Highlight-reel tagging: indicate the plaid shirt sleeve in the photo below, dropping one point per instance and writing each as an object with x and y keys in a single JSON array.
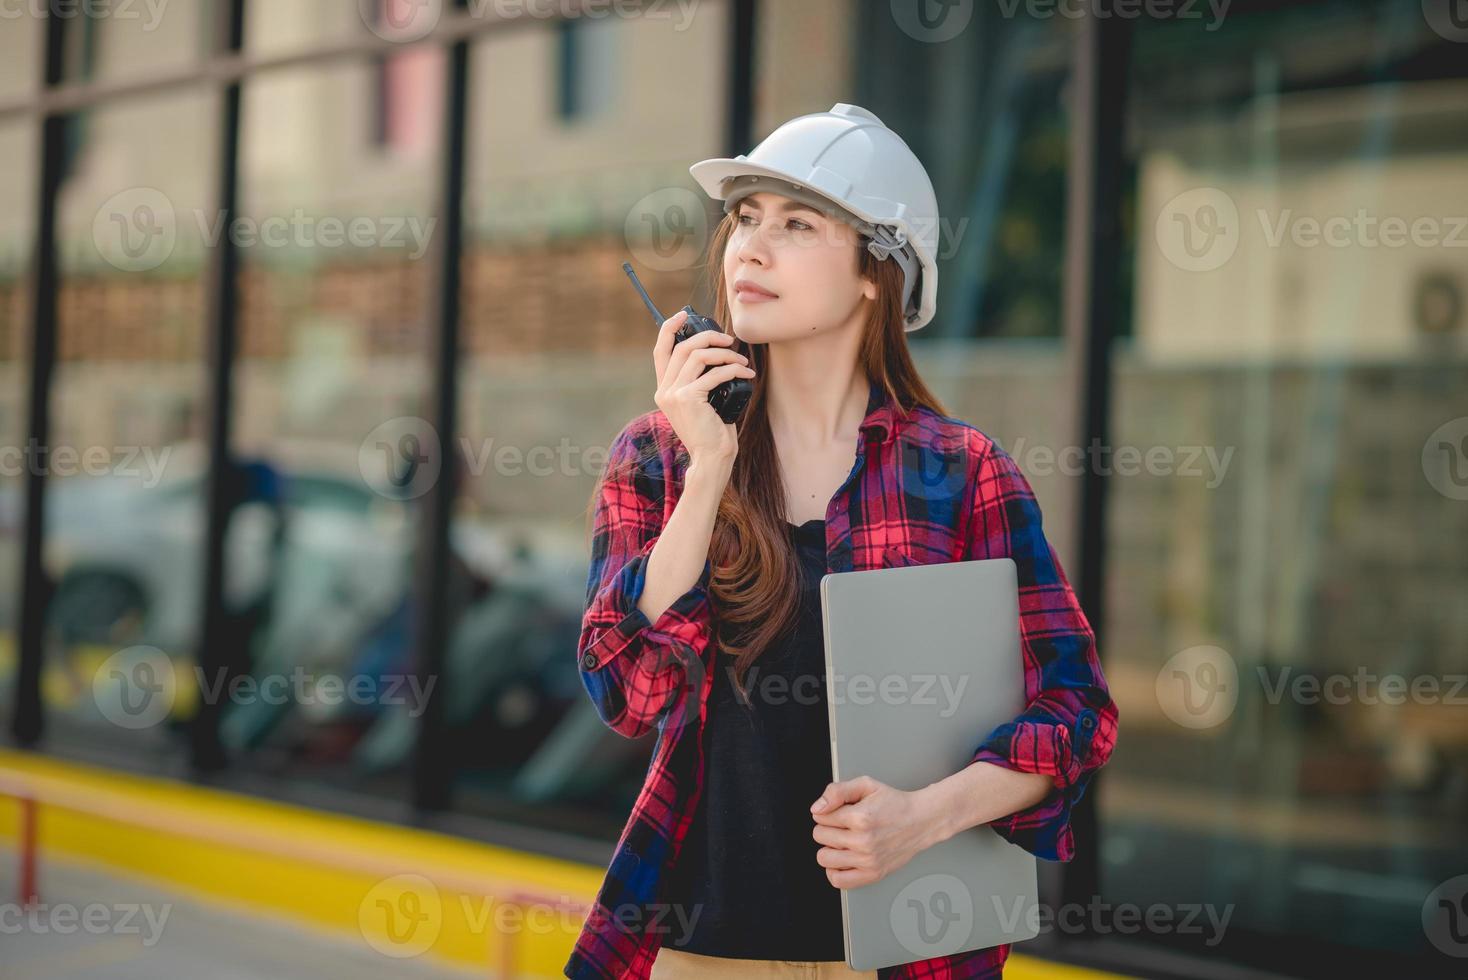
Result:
[
  {"x": 1068, "y": 728},
  {"x": 632, "y": 668}
]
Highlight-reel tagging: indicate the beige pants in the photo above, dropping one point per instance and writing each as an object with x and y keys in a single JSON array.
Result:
[{"x": 677, "y": 964}]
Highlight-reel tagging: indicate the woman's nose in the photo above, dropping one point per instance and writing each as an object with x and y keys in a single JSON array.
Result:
[{"x": 754, "y": 248}]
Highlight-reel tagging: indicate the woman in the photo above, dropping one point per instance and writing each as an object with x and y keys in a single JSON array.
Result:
[{"x": 709, "y": 542}]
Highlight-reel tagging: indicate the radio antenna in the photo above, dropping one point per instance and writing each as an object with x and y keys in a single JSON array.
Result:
[{"x": 657, "y": 316}]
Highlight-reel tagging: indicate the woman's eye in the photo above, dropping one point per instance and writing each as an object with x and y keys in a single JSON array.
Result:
[{"x": 794, "y": 223}]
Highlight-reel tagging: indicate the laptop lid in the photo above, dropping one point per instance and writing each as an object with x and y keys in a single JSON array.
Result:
[{"x": 922, "y": 663}]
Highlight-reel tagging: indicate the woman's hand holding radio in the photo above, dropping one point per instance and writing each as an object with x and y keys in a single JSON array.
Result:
[{"x": 687, "y": 371}]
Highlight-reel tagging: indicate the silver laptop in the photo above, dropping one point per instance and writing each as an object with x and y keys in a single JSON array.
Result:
[{"x": 922, "y": 662}]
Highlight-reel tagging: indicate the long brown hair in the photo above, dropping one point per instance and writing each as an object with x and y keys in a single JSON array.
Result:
[{"x": 755, "y": 583}]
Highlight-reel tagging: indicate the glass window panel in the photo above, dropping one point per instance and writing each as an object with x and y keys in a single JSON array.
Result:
[
  {"x": 20, "y": 53},
  {"x": 124, "y": 514},
  {"x": 555, "y": 359},
  {"x": 980, "y": 98},
  {"x": 17, "y": 232},
  {"x": 284, "y": 26},
  {"x": 123, "y": 40},
  {"x": 334, "y": 237},
  {"x": 1297, "y": 362}
]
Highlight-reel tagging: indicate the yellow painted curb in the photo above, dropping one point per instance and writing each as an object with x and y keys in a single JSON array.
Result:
[{"x": 402, "y": 891}]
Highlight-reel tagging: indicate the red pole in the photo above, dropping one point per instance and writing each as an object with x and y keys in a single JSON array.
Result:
[
  {"x": 28, "y": 894},
  {"x": 507, "y": 956}
]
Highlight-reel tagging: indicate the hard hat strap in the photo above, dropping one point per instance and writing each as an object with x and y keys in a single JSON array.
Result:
[{"x": 884, "y": 243}]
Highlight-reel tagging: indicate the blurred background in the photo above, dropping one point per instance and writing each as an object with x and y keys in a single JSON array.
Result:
[{"x": 317, "y": 311}]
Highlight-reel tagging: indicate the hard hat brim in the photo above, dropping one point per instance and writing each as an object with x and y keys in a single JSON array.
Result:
[{"x": 711, "y": 174}]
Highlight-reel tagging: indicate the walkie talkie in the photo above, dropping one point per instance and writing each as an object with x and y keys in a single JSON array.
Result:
[{"x": 727, "y": 398}]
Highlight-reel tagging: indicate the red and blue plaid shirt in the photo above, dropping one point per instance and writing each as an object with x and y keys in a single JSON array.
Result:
[{"x": 925, "y": 488}]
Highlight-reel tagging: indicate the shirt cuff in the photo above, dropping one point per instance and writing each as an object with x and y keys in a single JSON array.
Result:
[
  {"x": 1048, "y": 748},
  {"x": 679, "y": 623}
]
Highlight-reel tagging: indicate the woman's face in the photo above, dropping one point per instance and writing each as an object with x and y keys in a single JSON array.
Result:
[{"x": 807, "y": 260}]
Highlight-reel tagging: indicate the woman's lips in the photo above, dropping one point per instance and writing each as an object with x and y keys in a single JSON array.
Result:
[{"x": 753, "y": 296}]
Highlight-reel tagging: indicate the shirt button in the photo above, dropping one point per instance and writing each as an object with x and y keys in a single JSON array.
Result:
[{"x": 588, "y": 660}]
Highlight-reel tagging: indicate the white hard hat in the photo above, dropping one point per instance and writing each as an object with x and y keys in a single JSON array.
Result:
[{"x": 849, "y": 158}]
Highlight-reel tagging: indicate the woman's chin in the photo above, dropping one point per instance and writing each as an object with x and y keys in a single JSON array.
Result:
[{"x": 755, "y": 326}]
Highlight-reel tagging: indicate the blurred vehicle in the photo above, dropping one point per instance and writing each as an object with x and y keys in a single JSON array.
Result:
[{"x": 335, "y": 599}]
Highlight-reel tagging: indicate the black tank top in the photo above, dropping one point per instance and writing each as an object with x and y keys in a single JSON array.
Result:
[{"x": 748, "y": 869}]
